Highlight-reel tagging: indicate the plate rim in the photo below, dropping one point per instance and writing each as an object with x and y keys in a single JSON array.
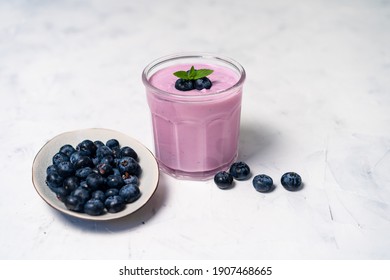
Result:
[{"x": 83, "y": 216}]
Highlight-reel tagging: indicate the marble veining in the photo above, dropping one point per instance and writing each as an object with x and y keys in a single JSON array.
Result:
[{"x": 316, "y": 101}]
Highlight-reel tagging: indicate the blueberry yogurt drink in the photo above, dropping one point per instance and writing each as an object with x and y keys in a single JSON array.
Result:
[{"x": 195, "y": 104}]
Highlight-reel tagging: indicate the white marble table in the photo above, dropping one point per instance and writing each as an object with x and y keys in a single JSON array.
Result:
[{"x": 316, "y": 101}]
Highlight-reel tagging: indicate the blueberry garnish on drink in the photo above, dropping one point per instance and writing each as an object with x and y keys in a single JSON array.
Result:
[{"x": 193, "y": 79}]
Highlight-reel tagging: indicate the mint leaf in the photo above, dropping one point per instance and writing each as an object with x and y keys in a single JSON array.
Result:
[
  {"x": 193, "y": 74},
  {"x": 201, "y": 73},
  {"x": 182, "y": 75}
]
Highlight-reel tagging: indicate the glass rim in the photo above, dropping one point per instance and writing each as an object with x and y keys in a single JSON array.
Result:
[{"x": 189, "y": 55}]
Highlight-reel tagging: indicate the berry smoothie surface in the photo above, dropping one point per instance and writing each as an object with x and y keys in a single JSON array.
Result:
[
  {"x": 195, "y": 136},
  {"x": 222, "y": 78}
]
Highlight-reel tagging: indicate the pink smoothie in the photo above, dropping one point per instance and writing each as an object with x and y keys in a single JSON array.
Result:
[{"x": 195, "y": 132}]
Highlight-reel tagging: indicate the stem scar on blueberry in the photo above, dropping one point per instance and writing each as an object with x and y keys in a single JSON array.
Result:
[{"x": 193, "y": 79}]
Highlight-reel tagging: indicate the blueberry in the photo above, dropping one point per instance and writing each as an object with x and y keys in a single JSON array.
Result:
[
  {"x": 129, "y": 166},
  {"x": 98, "y": 195},
  {"x": 107, "y": 159},
  {"x": 61, "y": 193},
  {"x": 83, "y": 172},
  {"x": 81, "y": 192},
  {"x": 103, "y": 151},
  {"x": 115, "y": 171},
  {"x": 98, "y": 143},
  {"x": 51, "y": 168},
  {"x": 74, "y": 203},
  {"x": 87, "y": 148},
  {"x": 95, "y": 161},
  {"x": 59, "y": 157},
  {"x": 116, "y": 152},
  {"x": 104, "y": 169},
  {"x": 112, "y": 143},
  {"x": 240, "y": 170},
  {"x": 130, "y": 193},
  {"x": 291, "y": 181},
  {"x": 263, "y": 183},
  {"x": 202, "y": 83},
  {"x": 54, "y": 180},
  {"x": 65, "y": 169},
  {"x": 115, "y": 181},
  {"x": 111, "y": 192},
  {"x": 132, "y": 180},
  {"x": 184, "y": 85},
  {"x": 71, "y": 183},
  {"x": 114, "y": 204},
  {"x": 94, "y": 207},
  {"x": 67, "y": 150},
  {"x": 75, "y": 157},
  {"x": 95, "y": 181},
  {"x": 128, "y": 152},
  {"x": 223, "y": 180},
  {"x": 83, "y": 161}
]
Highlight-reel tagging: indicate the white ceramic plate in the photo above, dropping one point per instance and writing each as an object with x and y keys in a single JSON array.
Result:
[{"x": 148, "y": 179}]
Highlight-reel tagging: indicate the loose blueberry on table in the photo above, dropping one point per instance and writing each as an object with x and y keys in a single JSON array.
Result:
[
  {"x": 263, "y": 183},
  {"x": 95, "y": 177},
  {"x": 193, "y": 79},
  {"x": 291, "y": 181},
  {"x": 223, "y": 180},
  {"x": 240, "y": 170}
]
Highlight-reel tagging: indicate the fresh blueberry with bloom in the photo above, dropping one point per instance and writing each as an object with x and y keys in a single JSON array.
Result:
[
  {"x": 95, "y": 181},
  {"x": 83, "y": 172},
  {"x": 104, "y": 169},
  {"x": 128, "y": 152},
  {"x": 112, "y": 143},
  {"x": 115, "y": 181},
  {"x": 71, "y": 183},
  {"x": 83, "y": 193},
  {"x": 87, "y": 148},
  {"x": 94, "y": 207},
  {"x": 103, "y": 151},
  {"x": 67, "y": 150},
  {"x": 98, "y": 195},
  {"x": 291, "y": 181},
  {"x": 74, "y": 203},
  {"x": 129, "y": 166},
  {"x": 108, "y": 160},
  {"x": 263, "y": 183},
  {"x": 184, "y": 85},
  {"x": 54, "y": 180},
  {"x": 130, "y": 193},
  {"x": 98, "y": 144},
  {"x": 114, "y": 204},
  {"x": 79, "y": 160},
  {"x": 202, "y": 83},
  {"x": 51, "y": 168},
  {"x": 240, "y": 170},
  {"x": 223, "y": 180},
  {"x": 132, "y": 180},
  {"x": 59, "y": 157},
  {"x": 111, "y": 192},
  {"x": 65, "y": 168}
]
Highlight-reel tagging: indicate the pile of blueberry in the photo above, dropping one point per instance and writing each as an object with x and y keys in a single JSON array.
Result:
[
  {"x": 291, "y": 181},
  {"x": 95, "y": 177}
]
